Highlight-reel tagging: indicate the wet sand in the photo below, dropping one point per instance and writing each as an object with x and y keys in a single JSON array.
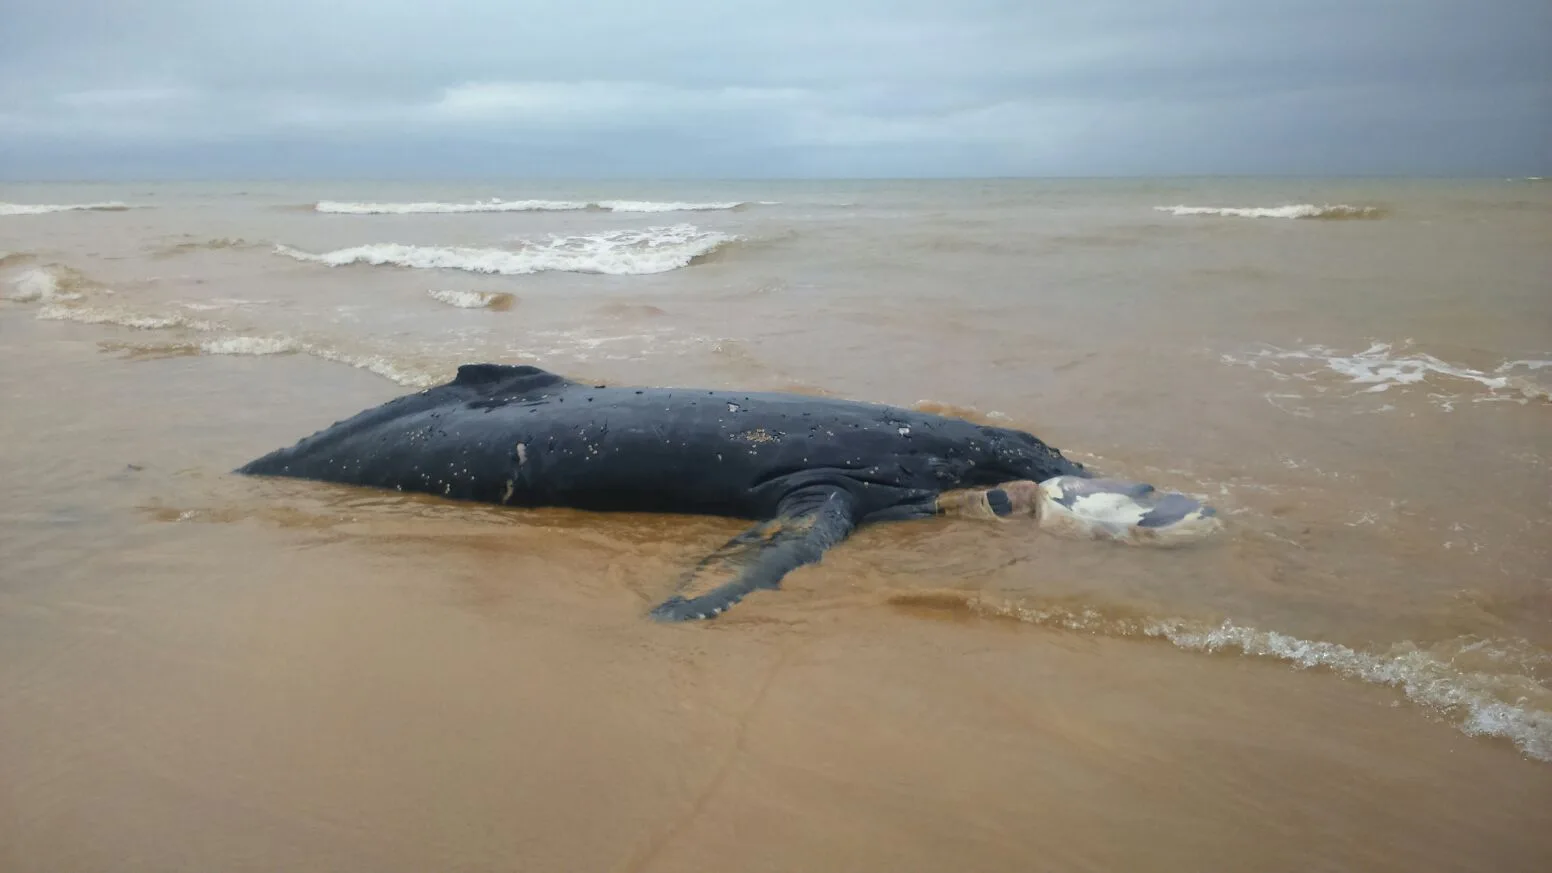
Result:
[{"x": 201, "y": 673}]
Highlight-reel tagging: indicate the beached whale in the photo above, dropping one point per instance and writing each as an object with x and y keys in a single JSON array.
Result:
[{"x": 809, "y": 470}]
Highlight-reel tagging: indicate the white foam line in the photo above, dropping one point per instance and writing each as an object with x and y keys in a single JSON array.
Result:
[
  {"x": 339, "y": 207},
  {"x": 45, "y": 208},
  {"x": 634, "y": 252},
  {"x": 347, "y": 208},
  {"x": 1479, "y": 701},
  {"x": 1292, "y": 210},
  {"x": 1421, "y": 677},
  {"x": 468, "y": 299}
]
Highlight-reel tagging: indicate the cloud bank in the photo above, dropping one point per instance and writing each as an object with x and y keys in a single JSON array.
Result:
[{"x": 799, "y": 88}]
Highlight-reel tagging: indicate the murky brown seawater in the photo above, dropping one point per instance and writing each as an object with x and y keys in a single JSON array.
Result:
[{"x": 205, "y": 672}]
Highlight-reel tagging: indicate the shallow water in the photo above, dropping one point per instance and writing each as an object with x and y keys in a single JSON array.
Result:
[{"x": 201, "y": 671}]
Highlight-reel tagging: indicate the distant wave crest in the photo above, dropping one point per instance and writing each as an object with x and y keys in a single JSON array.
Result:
[
  {"x": 619, "y": 253},
  {"x": 675, "y": 206},
  {"x": 1327, "y": 211},
  {"x": 44, "y": 208},
  {"x": 339, "y": 207}
]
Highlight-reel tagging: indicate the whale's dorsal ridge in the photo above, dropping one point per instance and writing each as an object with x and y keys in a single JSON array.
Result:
[
  {"x": 481, "y": 374},
  {"x": 516, "y": 379}
]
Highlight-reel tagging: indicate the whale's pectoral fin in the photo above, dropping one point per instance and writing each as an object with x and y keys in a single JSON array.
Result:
[{"x": 809, "y": 524}]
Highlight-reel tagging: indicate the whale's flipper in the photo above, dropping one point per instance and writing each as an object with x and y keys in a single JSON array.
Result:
[{"x": 808, "y": 524}]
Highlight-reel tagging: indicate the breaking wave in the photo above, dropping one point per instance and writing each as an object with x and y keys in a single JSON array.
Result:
[
  {"x": 1328, "y": 211},
  {"x": 1382, "y": 367},
  {"x": 8, "y": 259},
  {"x": 1469, "y": 681},
  {"x": 47, "y": 284},
  {"x": 44, "y": 208},
  {"x": 473, "y": 299},
  {"x": 620, "y": 253},
  {"x": 338, "y": 207}
]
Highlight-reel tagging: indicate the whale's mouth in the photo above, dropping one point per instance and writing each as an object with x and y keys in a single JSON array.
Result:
[{"x": 1122, "y": 510}]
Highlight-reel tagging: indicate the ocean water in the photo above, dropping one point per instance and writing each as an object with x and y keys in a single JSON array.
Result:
[{"x": 1356, "y": 675}]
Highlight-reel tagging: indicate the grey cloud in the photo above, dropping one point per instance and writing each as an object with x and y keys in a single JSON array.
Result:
[{"x": 797, "y": 87}]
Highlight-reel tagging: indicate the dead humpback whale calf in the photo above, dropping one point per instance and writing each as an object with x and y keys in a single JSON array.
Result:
[{"x": 809, "y": 470}]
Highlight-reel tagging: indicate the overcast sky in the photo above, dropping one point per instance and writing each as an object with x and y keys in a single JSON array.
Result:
[{"x": 751, "y": 88}]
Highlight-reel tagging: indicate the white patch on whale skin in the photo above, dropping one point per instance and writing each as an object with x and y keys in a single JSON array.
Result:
[
  {"x": 1114, "y": 515},
  {"x": 1109, "y": 508}
]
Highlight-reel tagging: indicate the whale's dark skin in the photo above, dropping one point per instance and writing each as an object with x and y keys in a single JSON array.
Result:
[{"x": 809, "y": 469}]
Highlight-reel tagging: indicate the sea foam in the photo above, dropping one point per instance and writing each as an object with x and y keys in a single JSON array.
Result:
[
  {"x": 44, "y": 208},
  {"x": 1496, "y": 702},
  {"x": 621, "y": 253},
  {"x": 1293, "y": 210},
  {"x": 1382, "y": 367}
]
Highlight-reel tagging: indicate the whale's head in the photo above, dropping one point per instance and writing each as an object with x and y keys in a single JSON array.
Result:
[{"x": 1118, "y": 509}]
